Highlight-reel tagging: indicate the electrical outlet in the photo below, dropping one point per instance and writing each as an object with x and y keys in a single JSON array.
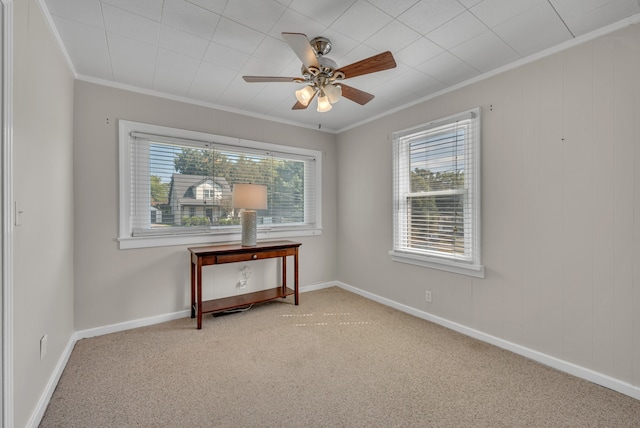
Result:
[
  {"x": 245, "y": 274},
  {"x": 43, "y": 347},
  {"x": 427, "y": 296}
]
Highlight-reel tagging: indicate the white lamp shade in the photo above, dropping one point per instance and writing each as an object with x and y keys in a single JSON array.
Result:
[
  {"x": 333, "y": 92},
  {"x": 249, "y": 196},
  {"x": 323, "y": 104},
  {"x": 305, "y": 95}
]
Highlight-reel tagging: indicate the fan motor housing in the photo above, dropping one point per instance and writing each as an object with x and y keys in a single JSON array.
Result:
[{"x": 327, "y": 67}]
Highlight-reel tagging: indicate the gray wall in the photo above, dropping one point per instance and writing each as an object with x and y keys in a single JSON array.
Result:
[
  {"x": 560, "y": 208},
  {"x": 561, "y": 204},
  {"x": 114, "y": 285},
  {"x": 43, "y": 187}
]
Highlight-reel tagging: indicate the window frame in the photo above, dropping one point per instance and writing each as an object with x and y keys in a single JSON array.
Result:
[
  {"x": 467, "y": 265},
  {"x": 126, "y": 240}
]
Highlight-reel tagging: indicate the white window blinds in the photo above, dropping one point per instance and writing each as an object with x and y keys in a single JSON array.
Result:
[
  {"x": 183, "y": 186},
  {"x": 436, "y": 190}
]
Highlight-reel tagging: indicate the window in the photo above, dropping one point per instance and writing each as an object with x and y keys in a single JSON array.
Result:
[
  {"x": 176, "y": 185},
  {"x": 436, "y": 193}
]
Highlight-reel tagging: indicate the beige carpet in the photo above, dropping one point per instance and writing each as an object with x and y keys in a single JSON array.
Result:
[{"x": 337, "y": 360}]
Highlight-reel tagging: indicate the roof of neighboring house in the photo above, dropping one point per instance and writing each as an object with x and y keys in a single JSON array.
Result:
[{"x": 183, "y": 186}]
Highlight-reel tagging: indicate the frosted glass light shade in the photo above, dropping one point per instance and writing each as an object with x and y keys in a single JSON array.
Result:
[
  {"x": 305, "y": 94},
  {"x": 250, "y": 196},
  {"x": 323, "y": 104},
  {"x": 333, "y": 92}
]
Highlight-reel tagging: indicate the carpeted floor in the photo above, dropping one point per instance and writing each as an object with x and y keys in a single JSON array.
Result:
[{"x": 336, "y": 360}]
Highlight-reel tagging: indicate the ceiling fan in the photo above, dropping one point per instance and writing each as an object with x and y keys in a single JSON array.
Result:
[{"x": 322, "y": 76}]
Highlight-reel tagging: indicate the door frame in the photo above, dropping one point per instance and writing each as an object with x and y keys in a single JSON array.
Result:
[{"x": 7, "y": 203}]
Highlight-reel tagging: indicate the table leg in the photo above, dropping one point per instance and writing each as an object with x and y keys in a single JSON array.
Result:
[
  {"x": 284, "y": 276},
  {"x": 199, "y": 294},
  {"x": 193, "y": 289},
  {"x": 295, "y": 274}
]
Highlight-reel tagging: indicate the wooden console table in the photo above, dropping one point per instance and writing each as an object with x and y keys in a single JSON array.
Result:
[{"x": 219, "y": 254}]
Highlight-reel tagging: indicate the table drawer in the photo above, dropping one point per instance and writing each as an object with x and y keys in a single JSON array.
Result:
[{"x": 245, "y": 257}]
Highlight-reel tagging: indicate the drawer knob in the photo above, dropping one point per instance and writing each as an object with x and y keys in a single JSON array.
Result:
[{"x": 255, "y": 256}]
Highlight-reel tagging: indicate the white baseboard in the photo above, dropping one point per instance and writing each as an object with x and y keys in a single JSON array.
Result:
[
  {"x": 556, "y": 363},
  {"x": 128, "y": 325},
  {"x": 317, "y": 286}
]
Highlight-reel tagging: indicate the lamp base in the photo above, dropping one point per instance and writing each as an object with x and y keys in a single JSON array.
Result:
[{"x": 249, "y": 232}]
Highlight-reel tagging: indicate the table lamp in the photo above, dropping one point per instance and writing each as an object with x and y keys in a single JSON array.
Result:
[{"x": 249, "y": 197}]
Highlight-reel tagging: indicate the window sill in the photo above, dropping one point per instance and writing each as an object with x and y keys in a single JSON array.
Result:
[
  {"x": 476, "y": 271},
  {"x": 127, "y": 243}
]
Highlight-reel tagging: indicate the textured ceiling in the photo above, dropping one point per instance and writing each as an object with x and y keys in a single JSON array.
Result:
[{"x": 200, "y": 49}]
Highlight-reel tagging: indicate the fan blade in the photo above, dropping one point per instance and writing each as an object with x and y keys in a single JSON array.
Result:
[
  {"x": 300, "y": 45},
  {"x": 383, "y": 61},
  {"x": 271, "y": 79},
  {"x": 299, "y": 106},
  {"x": 356, "y": 95}
]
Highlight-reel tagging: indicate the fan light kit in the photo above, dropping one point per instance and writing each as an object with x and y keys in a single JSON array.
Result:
[{"x": 321, "y": 75}]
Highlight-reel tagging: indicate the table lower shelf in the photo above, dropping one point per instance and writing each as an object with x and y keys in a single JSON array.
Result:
[{"x": 241, "y": 300}]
